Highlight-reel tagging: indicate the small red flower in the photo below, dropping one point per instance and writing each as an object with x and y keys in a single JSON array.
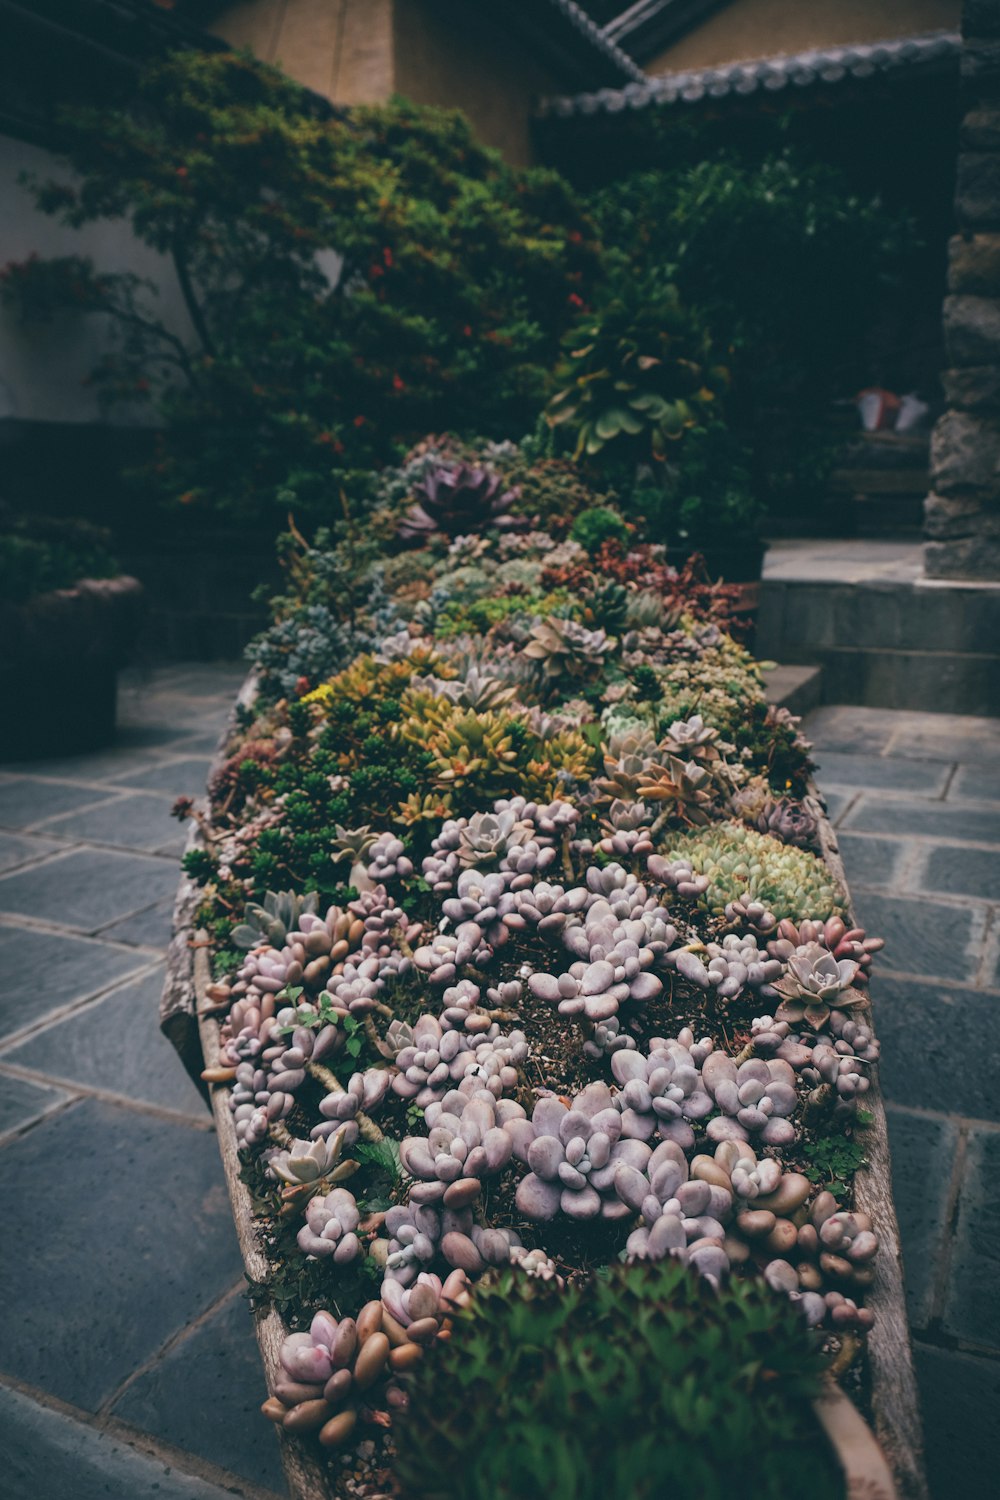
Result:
[
  {"x": 387, "y": 256},
  {"x": 398, "y": 384},
  {"x": 182, "y": 171},
  {"x": 575, "y": 300},
  {"x": 359, "y": 420}
]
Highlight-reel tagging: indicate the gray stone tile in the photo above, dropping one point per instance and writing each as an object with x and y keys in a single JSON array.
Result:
[
  {"x": 64, "y": 968},
  {"x": 979, "y": 783},
  {"x": 143, "y": 1242},
  {"x": 972, "y": 742},
  {"x": 16, "y": 849},
  {"x": 839, "y": 727},
  {"x": 45, "y": 1455},
  {"x": 115, "y": 1044},
  {"x": 972, "y": 1309},
  {"x": 953, "y": 822},
  {"x": 923, "y": 1152},
  {"x": 148, "y": 929},
  {"x": 870, "y": 860},
  {"x": 835, "y": 801},
  {"x": 938, "y": 1048},
  {"x": 21, "y": 1101},
  {"x": 88, "y": 888},
  {"x": 205, "y": 1394},
  {"x": 924, "y": 936},
  {"x": 960, "y": 1395},
  {"x": 174, "y": 777},
  {"x": 926, "y": 778},
  {"x": 28, "y": 799},
  {"x": 955, "y": 871},
  {"x": 204, "y": 744},
  {"x": 134, "y": 820}
]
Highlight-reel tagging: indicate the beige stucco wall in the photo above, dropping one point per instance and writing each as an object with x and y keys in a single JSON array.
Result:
[
  {"x": 445, "y": 52},
  {"x": 342, "y": 49},
  {"x": 448, "y": 52},
  {"x": 768, "y": 28}
]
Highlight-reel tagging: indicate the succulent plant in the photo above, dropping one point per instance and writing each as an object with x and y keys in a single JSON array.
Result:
[
  {"x": 307, "y": 1167},
  {"x": 740, "y": 864},
  {"x": 466, "y": 1142},
  {"x": 814, "y": 983},
  {"x": 270, "y": 921},
  {"x": 329, "y": 1227},
  {"x": 572, "y": 1151},
  {"x": 548, "y": 1378},
  {"x": 330, "y": 1370},
  {"x": 457, "y": 499},
  {"x": 853, "y": 943},
  {"x": 662, "y": 1090},
  {"x": 790, "y": 820},
  {"x": 564, "y": 648}
]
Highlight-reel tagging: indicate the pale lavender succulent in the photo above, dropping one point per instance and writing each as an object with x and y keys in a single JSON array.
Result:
[
  {"x": 662, "y": 1091},
  {"x": 756, "y": 1097},
  {"x": 329, "y": 1228},
  {"x": 573, "y": 1152}
]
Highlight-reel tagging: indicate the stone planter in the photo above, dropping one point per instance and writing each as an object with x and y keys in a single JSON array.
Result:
[
  {"x": 58, "y": 677},
  {"x": 880, "y": 1461}
]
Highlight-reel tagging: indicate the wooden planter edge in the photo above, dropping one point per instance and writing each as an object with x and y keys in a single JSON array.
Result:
[{"x": 894, "y": 1396}]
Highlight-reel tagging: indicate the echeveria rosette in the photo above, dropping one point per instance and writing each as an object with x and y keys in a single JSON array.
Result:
[
  {"x": 307, "y": 1167},
  {"x": 814, "y": 983},
  {"x": 458, "y": 499}
]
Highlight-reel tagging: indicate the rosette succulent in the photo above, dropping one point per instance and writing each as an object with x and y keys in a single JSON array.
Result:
[{"x": 815, "y": 982}]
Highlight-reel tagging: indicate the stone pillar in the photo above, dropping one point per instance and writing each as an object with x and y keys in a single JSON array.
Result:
[{"x": 962, "y": 514}]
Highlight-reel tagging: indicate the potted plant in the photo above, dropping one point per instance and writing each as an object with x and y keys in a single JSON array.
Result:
[{"x": 68, "y": 619}]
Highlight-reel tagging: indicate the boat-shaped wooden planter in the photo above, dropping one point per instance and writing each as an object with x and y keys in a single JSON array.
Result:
[{"x": 883, "y": 1461}]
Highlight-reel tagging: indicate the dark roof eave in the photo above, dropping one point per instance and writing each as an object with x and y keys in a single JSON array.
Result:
[
  {"x": 937, "y": 51},
  {"x": 565, "y": 36},
  {"x": 648, "y": 26}
]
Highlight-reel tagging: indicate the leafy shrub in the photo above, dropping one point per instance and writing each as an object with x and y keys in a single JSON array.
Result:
[
  {"x": 637, "y": 374},
  {"x": 788, "y": 266},
  {"x": 38, "y": 554},
  {"x": 644, "y": 1380},
  {"x": 350, "y": 280}
]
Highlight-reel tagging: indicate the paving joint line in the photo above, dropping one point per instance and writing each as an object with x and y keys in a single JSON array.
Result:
[
  {"x": 190, "y": 1464},
  {"x": 82, "y": 1091},
  {"x": 942, "y": 1277},
  {"x": 50, "y": 1020},
  {"x": 178, "y": 1337}
]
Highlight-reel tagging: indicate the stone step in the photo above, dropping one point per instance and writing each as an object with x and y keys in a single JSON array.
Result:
[
  {"x": 799, "y": 689},
  {"x": 884, "y": 635}
]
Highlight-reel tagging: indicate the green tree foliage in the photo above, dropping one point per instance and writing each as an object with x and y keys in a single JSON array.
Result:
[
  {"x": 351, "y": 279},
  {"x": 789, "y": 267}
]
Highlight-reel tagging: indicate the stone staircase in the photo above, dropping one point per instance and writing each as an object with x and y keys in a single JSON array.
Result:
[{"x": 884, "y": 635}]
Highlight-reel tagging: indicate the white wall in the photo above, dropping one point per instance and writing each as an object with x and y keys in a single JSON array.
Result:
[{"x": 43, "y": 368}]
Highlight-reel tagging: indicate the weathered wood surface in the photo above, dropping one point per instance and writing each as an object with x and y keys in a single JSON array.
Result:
[{"x": 894, "y": 1396}]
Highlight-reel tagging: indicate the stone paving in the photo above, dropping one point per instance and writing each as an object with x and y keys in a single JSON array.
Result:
[
  {"x": 915, "y": 799},
  {"x": 128, "y": 1368}
]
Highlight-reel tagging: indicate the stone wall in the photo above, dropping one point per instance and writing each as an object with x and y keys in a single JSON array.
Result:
[{"x": 962, "y": 514}]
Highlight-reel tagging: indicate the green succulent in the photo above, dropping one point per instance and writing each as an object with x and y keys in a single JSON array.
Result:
[
  {"x": 271, "y": 921},
  {"x": 640, "y": 1383},
  {"x": 593, "y": 527},
  {"x": 743, "y": 864}
]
